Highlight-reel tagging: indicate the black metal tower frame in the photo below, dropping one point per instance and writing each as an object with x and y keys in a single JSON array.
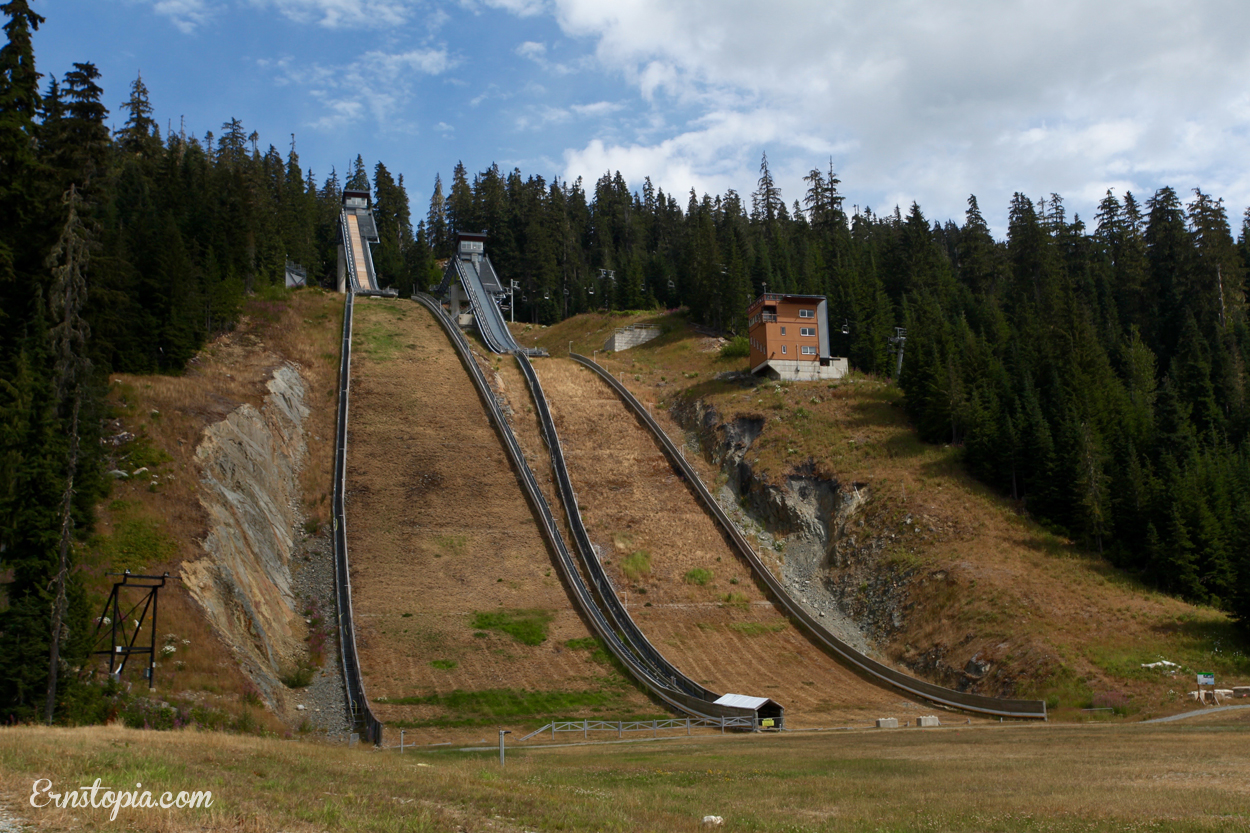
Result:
[{"x": 124, "y": 647}]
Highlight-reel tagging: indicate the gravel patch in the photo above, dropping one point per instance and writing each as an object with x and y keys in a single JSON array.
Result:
[
  {"x": 324, "y": 700},
  {"x": 10, "y": 823}
]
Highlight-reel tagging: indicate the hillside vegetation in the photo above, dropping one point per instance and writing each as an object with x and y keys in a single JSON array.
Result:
[{"x": 974, "y": 576}]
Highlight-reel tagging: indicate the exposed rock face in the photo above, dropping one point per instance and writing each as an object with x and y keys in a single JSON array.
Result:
[
  {"x": 832, "y": 560},
  {"x": 249, "y": 464}
]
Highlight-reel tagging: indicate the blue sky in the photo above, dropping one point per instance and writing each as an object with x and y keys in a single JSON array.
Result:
[{"x": 927, "y": 101}]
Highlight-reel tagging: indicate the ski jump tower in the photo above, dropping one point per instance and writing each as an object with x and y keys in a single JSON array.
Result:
[{"x": 356, "y": 232}]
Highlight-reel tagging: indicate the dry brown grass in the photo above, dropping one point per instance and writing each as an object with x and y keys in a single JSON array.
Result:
[
  {"x": 725, "y": 634},
  {"x": 1058, "y": 621},
  {"x": 1039, "y": 778},
  {"x": 169, "y": 413},
  {"x": 439, "y": 529}
]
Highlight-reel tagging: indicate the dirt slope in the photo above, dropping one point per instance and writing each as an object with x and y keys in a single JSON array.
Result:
[
  {"x": 724, "y": 633},
  {"x": 438, "y": 532},
  {"x": 974, "y": 593}
]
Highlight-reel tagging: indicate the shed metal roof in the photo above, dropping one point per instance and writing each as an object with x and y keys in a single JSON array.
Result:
[{"x": 742, "y": 701}]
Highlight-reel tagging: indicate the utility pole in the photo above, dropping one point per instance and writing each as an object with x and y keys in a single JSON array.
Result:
[{"x": 897, "y": 343}]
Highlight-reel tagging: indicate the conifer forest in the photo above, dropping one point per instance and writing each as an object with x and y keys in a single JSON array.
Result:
[{"x": 1093, "y": 370}]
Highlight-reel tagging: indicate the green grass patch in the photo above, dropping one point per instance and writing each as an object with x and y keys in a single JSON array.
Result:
[
  {"x": 142, "y": 453},
  {"x": 528, "y": 627},
  {"x": 444, "y": 664},
  {"x": 378, "y": 341},
  {"x": 735, "y": 599},
  {"x": 698, "y": 576},
  {"x": 138, "y": 542},
  {"x": 757, "y": 628},
  {"x": 586, "y": 643},
  {"x": 452, "y": 544},
  {"x": 636, "y": 565},
  {"x": 507, "y": 702}
]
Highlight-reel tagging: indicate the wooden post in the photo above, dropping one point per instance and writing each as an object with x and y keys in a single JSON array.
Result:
[
  {"x": 620, "y": 728},
  {"x": 687, "y": 725},
  {"x": 401, "y": 741},
  {"x": 585, "y": 729}
]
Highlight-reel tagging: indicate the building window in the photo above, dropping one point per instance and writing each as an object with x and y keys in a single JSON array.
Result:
[
  {"x": 807, "y": 313},
  {"x": 807, "y": 331},
  {"x": 808, "y": 350},
  {"x": 783, "y": 349},
  {"x": 783, "y": 330}
]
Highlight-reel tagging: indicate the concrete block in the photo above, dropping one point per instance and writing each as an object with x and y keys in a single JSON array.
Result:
[
  {"x": 887, "y": 722},
  {"x": 930, "y": 720},
  {"x": 631, "y": 336}
]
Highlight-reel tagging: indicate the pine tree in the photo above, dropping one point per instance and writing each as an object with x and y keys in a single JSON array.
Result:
[
  {"x": 139, "y": 135},
  {"x": 68, "y": 263}
]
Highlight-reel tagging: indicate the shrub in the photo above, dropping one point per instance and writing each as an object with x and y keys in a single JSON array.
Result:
[
  {"x": 636, "y": 565},
  {"x": 698, "y": 576},
  {"x": 444, "y": 664},
  {"x": 735, "y": 599},
  {"x": 301, "y": 677},
  {"x": 738, "y": 348}
]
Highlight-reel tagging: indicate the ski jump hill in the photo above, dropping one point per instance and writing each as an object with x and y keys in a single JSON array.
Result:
[{"x": 470, "y": 280}]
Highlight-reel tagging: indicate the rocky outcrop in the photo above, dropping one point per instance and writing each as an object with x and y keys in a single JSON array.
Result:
[
  {"x": 249, "y": 464},
  {"x": 833, "y": 559}
]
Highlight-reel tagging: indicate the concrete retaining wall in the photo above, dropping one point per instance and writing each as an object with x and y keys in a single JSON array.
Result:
[{"x": 631, "y": 336}]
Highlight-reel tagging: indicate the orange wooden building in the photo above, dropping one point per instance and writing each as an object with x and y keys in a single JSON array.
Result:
[{"x": 789, "y": 337}]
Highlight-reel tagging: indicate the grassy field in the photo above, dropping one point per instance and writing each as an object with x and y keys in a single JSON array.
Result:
[{"x": 1014, "y": 778}]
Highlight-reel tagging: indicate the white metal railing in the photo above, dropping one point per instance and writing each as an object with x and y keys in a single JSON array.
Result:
[{"x": 620, "y": 727}]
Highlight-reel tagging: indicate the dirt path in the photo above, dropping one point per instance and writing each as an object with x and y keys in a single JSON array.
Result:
[
  {"x": 438, "y": 532},
  {"x": 723, "y": 633}
]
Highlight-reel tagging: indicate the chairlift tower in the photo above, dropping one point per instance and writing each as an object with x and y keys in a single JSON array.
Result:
[{"x": 897, "y": 342}]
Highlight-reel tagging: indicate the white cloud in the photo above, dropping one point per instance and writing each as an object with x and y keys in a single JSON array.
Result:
[
  {"x": 532, "y": 50},
  {"x": 185, "y": 14},
  {"x": 928, "y": 101},
  {"x": 520, "y": 8},
  {"x": 344, "y": 14},
  {"x": 352, "y": 93}
]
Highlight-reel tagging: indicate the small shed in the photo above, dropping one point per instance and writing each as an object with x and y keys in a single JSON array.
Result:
[{"x": 764, "y": 708}]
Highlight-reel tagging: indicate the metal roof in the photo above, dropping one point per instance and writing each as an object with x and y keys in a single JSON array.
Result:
[{"x": 742, "y": 701}]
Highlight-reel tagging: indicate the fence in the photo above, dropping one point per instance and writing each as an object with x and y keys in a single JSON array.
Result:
[
  {"x": 585, "y": 727},
  {"x": 353, "y": 686}
]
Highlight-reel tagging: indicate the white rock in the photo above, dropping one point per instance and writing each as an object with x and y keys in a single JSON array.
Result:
[
  {"x": 298, "y": 708},
  {"x": 713, "y": 821}
]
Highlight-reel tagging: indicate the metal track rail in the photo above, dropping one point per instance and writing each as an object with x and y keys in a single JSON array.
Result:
[
  {"x": 353, "y": 684},
  {"x": 349, "y": 254},
  {"x": 590, "y": 560},
  {"x": 493, "y": 329},
  {"x": 979, "y": 703},
  {"x": 582, "y": 595}
]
